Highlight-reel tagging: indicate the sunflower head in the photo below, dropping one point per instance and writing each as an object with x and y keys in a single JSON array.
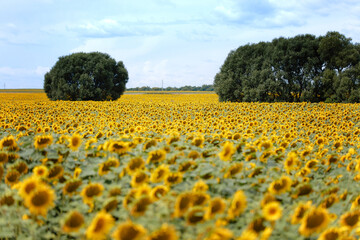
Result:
[
  {"x": 100, "y": 226},
  {"x": 227, "y": 151},
  {"x": 73, "y": 222},
  {"x": 41, "y": 171},
  {"x": 129, "y": 231},
  {"x": 314, "y": 221},
  {"x": 159, "y": 173},
  {"x": 156, "y": 156},
  {"x": 75, "y": 141},
  {"x": 166, "y": 231},
  {"x": 272, "y": 211},
  {"x": 42, "y": 141},
  {"x": 40, "y": 200},
  {"x": 217, "y": 206}
]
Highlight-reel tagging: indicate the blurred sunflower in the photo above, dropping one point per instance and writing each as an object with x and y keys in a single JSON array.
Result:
[
  {"x": 75, "y": 142},
  {"x": 135, "y": 164},
  {"x": 200, "y": 186},
  {"x": 195, "y": 215},
  {"x": 140, "y": 206},
  {"x": 42, "y": 141},
  {"x": 119, "y": 147},
  {"x": 183, "y": 202},
  {"x": 272, "y": 211},
  {"x": 350, "y": 220},
  {"x": 233, "y": 170},
  {"x": 12, "y": 177},
  {"x": 40, "y": 200},
  {"x": 100, "y": 226},
  {"x": 280, "y": 186},
  {"x": 332, "y": 233},
  {"x": 139, "y": 178},
  {"x": 238, "y": 204},
  {"x": 40, "y": 171},
  {"x": 90, "y": 191},
  {"x": 300, "y": 212},
  {"x": 166, "y": 232},
  {"x": 73, "y": 222},
  {"x": 106, "y": 166},
  {"x": 156, "y": 156},
  {"x": 27, "y": 186},
  {"x": 227, "y": 151},
  {"x": 159, "y": 173},
  {"x": 71, "y": 186},
  {"x": 217, "y": 206},
  {"x": 3, "y": 158},
  {"x": 220, "y": 233},
  {"x": 157, "y": 192},
  {"x": 173, "y": 178},
  {"x": 129, "y": 231},
  {"x": 315, "y": 221},
  {"x": 8, "y": 142}
]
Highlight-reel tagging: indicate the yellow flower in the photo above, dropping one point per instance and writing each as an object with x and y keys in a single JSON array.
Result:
[
  {"x": 166, "y": 232},
  {"x": 332, "y": 233},
  {"x": 280, "y": 186},
  {"x": 315, "y": 220},
  {"x": 27, "y": 186},
  {"x": 173, "y": 178},
  {"x": 350, "y": 220},
  {"x": 71, "y": 186},
  {"x": 238, "y": 204},
  {"x": 75, "y": 142},
  {"x": 227, "y": 151},
  {"x": 40, "y": 200},
  {"x": 233, "y": 170},
  {"x": 300, "y": 212},
  {"x": 198, "y": 141},
  {"x": 12, "y": 177},
  {"x": 90, "y": 191},
  {"x": 140, "y": 206},
  {"x": 272, "y": 211},
  {"x": 200, "y": 186},
  {"x": 220, "y": 233},
  {"x": 139, "y": 178},
  {"x": 156, "y": 156},
  {"x": 42, "y": 141},
  {"x": 135, "y": 164},
  {"x": 217, "y": 206},
  {"x": 119, "y": 147},
  {"x": 129, "y": 231},
  {"x": 159, "y": 173},
  {"x": 157, "y": 192},
  {"x": 106, "y": 166},
  {"x": 8, "y": 142},
  {"x": 291, "y": 162},
  {"x": 40, "y": 171},
  {"x": 100, "y": 226},
  {"x": 73, "y": 222},
  {"x": 183, "y": 202},
  {"x": 195, "y": 215}
]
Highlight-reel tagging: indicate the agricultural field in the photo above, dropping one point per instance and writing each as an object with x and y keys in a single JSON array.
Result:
[{"x": 177, "y": 166}]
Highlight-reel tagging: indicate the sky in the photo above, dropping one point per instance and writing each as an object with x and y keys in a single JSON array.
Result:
[{"x": 169, "y": 42}]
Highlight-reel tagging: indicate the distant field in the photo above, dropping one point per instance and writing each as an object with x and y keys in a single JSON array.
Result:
[
  {"x": 127, "y": 92},
  {"x": 21, "y": 90}
]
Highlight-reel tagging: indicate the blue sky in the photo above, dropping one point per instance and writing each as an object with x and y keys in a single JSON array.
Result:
[{"x": 179, "y": 42}]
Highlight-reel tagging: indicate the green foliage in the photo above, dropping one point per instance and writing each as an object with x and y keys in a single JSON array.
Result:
[
  {"x": 301, "y": 68},
  {"x": 184, "y": 88},
  {"x": 86, "y": 76}
]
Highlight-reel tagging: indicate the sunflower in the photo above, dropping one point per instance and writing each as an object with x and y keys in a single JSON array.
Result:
[
  {"x": 135, "y": 164},
  {"x": 12, "y": 177},
  {"x": 115, "y": 191},
  {"x": 272, "y": 211},
  {"x": 40, "y": 200},
  {"x": 193, "y": 155},
  {"x": 315, "y": 220},
  {"x": 100, "y": 226},
  {"x": 75, "y": 141},
  {"x": 106, "y": 166},
  {"x": 332, "y": 233},
  {"x": 111, "y": 204},
  {"x": 77, "y": 172},
  {"x": 159, "y": 173},
  {"x": 303, "y": 190},
  {"x": 217, "y": 206},
  {"x": 280, "y": 186},
  {"x": 227, "y": 151},
  {"x": 8, "y": 142},
  {"x": 166, "y": 232},
  {"x": 183, "y": 202},
  {"x": 173, "y": 178},
  {"x": 200, "y": 186},
  {"x": 27, "y": 186},
  {"x": 329, "y": 201},
  {"x": 129, "y": 231},
  {"x": 157, "y": 192},
  {"x": 90, "y": 191},
  {"x": 187, "y": 165},
  {"x": 238, "y": 204},
  {"x": 149, "y": 144},
  {"x": 195, "y": 215},
  {"x": 300, "y": 212},
  {"x": 233, "y": 170},
  {"x": 139, "y": 178},
  {"x": 198, "y": 141},
  {"x": 73, "y": 222},
  {"x": 40, "y": 171},
  {"x": 312, "y": 164},
  {"x": 247, "y": 235},
  {"x": 7, "y": 200},
  {"x": 71, "y": 186},
  {"x": 1, "y": 172},
  {"x": 291, "y": 162},
  {"x": 118, "y": 147},
  {"x": 257, "y": 225},
  {"x": 200, "y": 198},
  {"x": 156, "y": 156},
  {"x": 21, "y": 167},
  {"x": 220, "y": 233},
  {"x": 55, "y": 172},
  {"x": 3, "y": 158},
  {"x": 350, "y": 220},
  {"x": 42, "y": 141},
  {"x": 140, "y": 206}
]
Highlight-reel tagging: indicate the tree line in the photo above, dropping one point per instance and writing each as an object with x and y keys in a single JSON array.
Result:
[
  {"x": 300, "y": 68},
  {"x": 184, "y": 88}
]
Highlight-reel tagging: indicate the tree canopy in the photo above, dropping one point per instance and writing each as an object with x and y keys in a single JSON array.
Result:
[
  {"x": 301, "y": 68},
  {"x": 86, "y": 76}
]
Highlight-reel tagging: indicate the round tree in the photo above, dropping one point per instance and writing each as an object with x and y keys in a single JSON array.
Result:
[{"x": 86, "y": 76}]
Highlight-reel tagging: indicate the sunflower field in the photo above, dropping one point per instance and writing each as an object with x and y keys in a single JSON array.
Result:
[{"x": 178, "y": 166}]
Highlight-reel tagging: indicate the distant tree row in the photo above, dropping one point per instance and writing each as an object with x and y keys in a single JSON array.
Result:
[
  {"x": 301, "y": 68},
  {"x": 184, "y": 88}
]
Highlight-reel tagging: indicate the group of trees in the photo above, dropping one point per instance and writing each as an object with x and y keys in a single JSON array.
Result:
[
  {"x": 184, "y": 88},
  {"x": 301, "y": 68},
  {"x": 86, "y": 76}
]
